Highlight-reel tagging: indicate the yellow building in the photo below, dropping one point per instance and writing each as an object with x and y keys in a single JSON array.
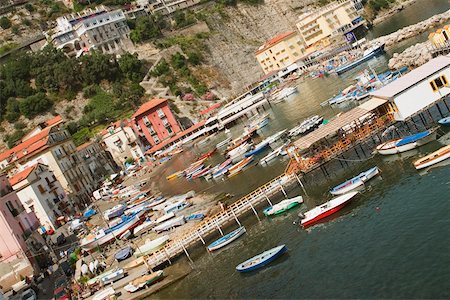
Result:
[
  {"x": 280, "y": 51},
  {"x": 318, "y": 27},
  {"x": 440, "y": 37}
]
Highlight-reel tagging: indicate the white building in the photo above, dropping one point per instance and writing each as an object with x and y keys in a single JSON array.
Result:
[
  {"x": 40, "y": 192},
  {"x": 166, "y": 7},
  {"x": 97, "y": 160},
  {"x": 418, "y": 89},
  {"x": 122, "y": 142}
]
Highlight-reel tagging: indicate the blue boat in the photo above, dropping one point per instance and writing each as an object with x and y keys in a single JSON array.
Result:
[
  {"x": 367, "y": 55},
  {"x": 262, "y": 259},
  {"x": 355, "y": 182},
  {"x": 226, "y": 239},
  {"x": 444, "y": 121},
  {"x": 195, "y": 217},
  {"x": 123, "y": 253},
  {"x": 89, "y": 213},
  {"x": 258, "y": 149}
]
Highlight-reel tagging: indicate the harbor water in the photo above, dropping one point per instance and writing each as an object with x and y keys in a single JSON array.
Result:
[{"x": 392, "y": 241}]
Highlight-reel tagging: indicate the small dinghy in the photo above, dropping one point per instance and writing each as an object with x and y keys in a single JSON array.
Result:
[
  {"x": 236, "y": 168},
  {"x": 144, "y": 281},
  {"x": 114, "y": 276},
  {"x": 444, "y": 121},
  {"x": 261, "y": 259},
  {"x": 328, "y": 208},
  {"x": 123, "y": 253},
  {"x": 226, "y": 239},
  {"x": 433, "y": 158},
  {"x": 407, "y": 143},
  {"x": 283, "y": 206},
  {"x": 133, "y": 264},
  {"x": 355, "y": 182},
  {"x": 144, "y": 227},
  {"x": 195, "y": 217},
  {"x": 151, "y": 246}
]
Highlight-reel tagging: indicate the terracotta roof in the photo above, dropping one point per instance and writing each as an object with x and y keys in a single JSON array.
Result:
[
  {"x": 22, "y": 175},
  {"x": 178, "y": 136},
  {"x": 148, "y": 106},
  {"x": 212, "y": 107},
  {"x": 126, "y": 123},
  {"x": 31, "y": 145},
  {"x": 54, "y": 121},
  {"x": 85, "y": 145},
  {"x": 274, "y": 41}
]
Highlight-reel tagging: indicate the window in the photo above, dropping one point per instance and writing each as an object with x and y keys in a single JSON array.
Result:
[
  {"x": 156, "y": 139},
  {"x": 160, "y": 113},
  {"x": 439, "y": 83},
  {"x": 146, "y": 120},
  {"x": 41, "y": 189},
  {"x": 169, "y": 130}
]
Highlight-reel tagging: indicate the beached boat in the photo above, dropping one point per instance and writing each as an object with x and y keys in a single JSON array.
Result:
[
  {"x": 144, "y": 227},
  {"x": 194, "y": 171},
  {"x": 444, "y": 121},
  {"x": 407, "y": 143},
  {"x": 126, "y": 235},
  {"x": 144, "y": 281},
  {"x": 223, "y": 143},
  {"x": 328, "y": 208},
  {"x": 178, "y": 221},
  {"x": 158, "y": 201},
  {"x": 262, "y": 259},
  {"x": 221, "y": 169},
  {"x": 226, "y": 239},
  {"x": 257, "y": 148},
  {"x": 112, "y": 277},
  {"x": 113, "y": 212},
  {"x": 238, "y": 151},
  {"x": 236, "y": 168},
  {"x": 123, "y": 253},
  {"x": 103, "y": 236},
  {"x": 202, "y": 172},
  {"x": 174, "y": 175},
  {"x": 433, "y": 158},
  {"x": 105, "y": 294},
  {"x": 141, "y": 207},
  {"x": 367, "y": 55},
  {"x": 208, "y": 154},
  {"x": 355, "y": 182},
  {"x": 151, "y": 246},
  {"x": 176, "y": 206},
  {"x": 283, "y": 206},
  {"x": 165, "y": 217},
  {"x": 195, "y": 217},
  {"x": 133, "y": 264}
]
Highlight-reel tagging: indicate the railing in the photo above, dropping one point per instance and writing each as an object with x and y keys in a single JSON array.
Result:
[{"x": 214, "y": 222}]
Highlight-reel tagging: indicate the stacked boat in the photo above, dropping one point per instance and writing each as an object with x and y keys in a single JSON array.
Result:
[
  {"x": 238, "y": 167},
  {"x": 306, "y": 126}
]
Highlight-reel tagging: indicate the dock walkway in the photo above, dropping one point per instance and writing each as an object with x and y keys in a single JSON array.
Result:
[{"x": 223, "y": 218}]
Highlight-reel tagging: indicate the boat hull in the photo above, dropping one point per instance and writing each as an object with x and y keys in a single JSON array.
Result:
[
  {"x": 266, "y": 257},
  {"x": 433, "y": 158},
  {"x": 227, "y": 239}
]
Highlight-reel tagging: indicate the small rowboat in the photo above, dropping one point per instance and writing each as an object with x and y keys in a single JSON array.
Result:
[
  {"x": 262, "y": 259},
  {"x": 143, "y": 281},
  {"x": 433, "y": 158},
  {"x": 407, "y": 143},
  {"x": 114, "y": 276},
  {"x": 151, "y": 246},
  {"x": 208, "y": 154},
  {"x": 283, "y": 206},
  {"x": 174, "y": 175},
  {"x": 444, "y": 121},
  {"x": 233, "y": 170},
  {"x": 355, "y": 182},
  {"x": 194, "y": 217},
  {"x": 258, "y": 148},
  {"x": 226, "y": 239},
  {"x": 202, "y": 172},
  {"x": 133, "y": 264},
  {"x": 328, "y": 208},
  {"x": 123, "y": 253},
  {"x": 221, "y": 169},
  {"x": 105, "y": 294}
]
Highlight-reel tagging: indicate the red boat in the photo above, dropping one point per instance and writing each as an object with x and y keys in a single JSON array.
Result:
[
  {"x": 328, "y": 208},
  {"x": 206, "y": 155},
  {"x": 239, "y": 141}
]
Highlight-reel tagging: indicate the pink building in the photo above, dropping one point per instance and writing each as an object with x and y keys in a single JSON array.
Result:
[{"x": 154, "y": 120}]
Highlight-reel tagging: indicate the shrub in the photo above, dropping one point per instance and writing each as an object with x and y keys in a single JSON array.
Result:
[{"x": 35, "y": 104}]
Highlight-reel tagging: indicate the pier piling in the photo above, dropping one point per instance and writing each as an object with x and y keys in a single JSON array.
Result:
[{"x": 236, "y": 218}]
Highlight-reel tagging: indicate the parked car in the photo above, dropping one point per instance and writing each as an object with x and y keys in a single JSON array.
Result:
[
  {"x": 29, "y": 294},
  {"x": 62, "y": 293}
]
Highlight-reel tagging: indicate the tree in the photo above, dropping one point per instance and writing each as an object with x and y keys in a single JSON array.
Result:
[
  {"x": 29, "y": 7},
  {"x": 97, "y": 67},
  {"x": 82, "y": 136},
  {"x": 11, "y": 140},
  {"x": 131, "y": 67},
  {"x": 12, "y": 110},
  {"x": 146, "y": 29},
  {"x": 133, "y": 94},
  {"x": 35, "y": 104},
  {"x": 5, "y": 23},
  {"x": 178, "y": 61}
]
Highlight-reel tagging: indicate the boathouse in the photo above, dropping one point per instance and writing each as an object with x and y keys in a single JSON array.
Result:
[{"x": 417, "y": 90}]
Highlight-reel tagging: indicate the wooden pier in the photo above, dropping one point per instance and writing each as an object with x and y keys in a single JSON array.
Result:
[{"x": 216, "y": 222}]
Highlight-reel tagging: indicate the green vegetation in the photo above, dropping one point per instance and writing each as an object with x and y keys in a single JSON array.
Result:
[
  {"x": 183, "y": 19},
  {"x": 146, "y": 28},
  {"x": 5, "y": 23},
  {"x": 377, "y": 5},
  {"x": 7, "y": 47},
  {"x": 55, "y": 77},
  {"x": 29, "y": 7},
  {"x": 12, "y": 139}
]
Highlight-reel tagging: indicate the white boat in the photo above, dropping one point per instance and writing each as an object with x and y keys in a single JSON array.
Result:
[
  {"x": 433, "y": 158},
  {"x": 105, "y": 294},
  {"x": 176, "y": 206},
  {"x": 223, "y": 143},
  {"x": 226, "y": 239},
  {"x": 165, "y": 217},
  {"x": 156, "y": 202},
  {"x": 102, "y": 236},
  {"x": 275, "y": 137},
  {"x": 407, "y": 143},
  {"x": 113, "y": 212},
  {"x": 151, "y": 246},
  {"x": 143, "y": 281},
  {"x": 328, "y": 208},
  {"x": 114, "y": 276},
  {"x": 355, "y": 182},
  {"x": 144, "y": 227},
  {"x": 178, "y": 221},
  {"x": 126, "y": 235},
  {"x": 284, "y": 93},
  {"x": 306, "y": 126},
  {"x": 273, "y": 154},
  {"x": 283, "y": 206},
  {"x": 238, "y": 151}
]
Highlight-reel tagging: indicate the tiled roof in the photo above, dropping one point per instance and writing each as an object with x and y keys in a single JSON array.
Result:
[
  {"x": 85, "y": 145},
  {"x": 22, "y": 175},
  {"x": 274, "y": 41},
  {"x": 54, "y": 121},
  {"x": 148, "y": 106},
  {"x": 31, "y": 145}
]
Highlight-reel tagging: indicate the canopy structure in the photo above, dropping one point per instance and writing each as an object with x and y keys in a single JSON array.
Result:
[{"x": 335, "y": 124}]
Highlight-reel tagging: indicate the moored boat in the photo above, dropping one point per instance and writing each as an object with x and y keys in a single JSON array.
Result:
[
  {"x": 226, "y": 239},
  {"x": 444, "y": 121},
  {"x": 407, "y": 143},
  {"x": 355, "y": 182},
  {"x": 262, "y": 259},
  {"x": 283, "y": 206},
  {"x": 328, "y": 208},
  {"x": 257, "y": 149},
  {"x": 367, "y": 55},
  {"x": 236, "y": 168},
  {"x": 238, "y": 151},
  {"x": 433, "y": 158},
  {"x": 144, "y": 281},
  {"x": 223, "y": 143}
]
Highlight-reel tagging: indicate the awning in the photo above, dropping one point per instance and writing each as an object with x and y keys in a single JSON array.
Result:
[{"x": 205, "y": 111}]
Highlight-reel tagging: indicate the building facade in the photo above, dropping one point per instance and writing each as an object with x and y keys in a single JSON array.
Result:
[
  {"x": 154, "y": 121},
  {"x": 41, "y": 193},
  {"x": 100, "y": 164},
  {"x": 166, "y": 7},
  {"x": 440, "y": 37},
  {"x": 122, "y": 142},
  {"x": 99, "y": 29},
  {"x": 337, "y": 19},
  {"x": 280, "y": 52}
]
